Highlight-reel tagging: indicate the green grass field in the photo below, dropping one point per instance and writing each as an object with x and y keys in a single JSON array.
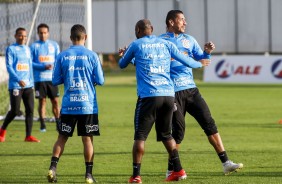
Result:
[{"x": 246, "y": 115}]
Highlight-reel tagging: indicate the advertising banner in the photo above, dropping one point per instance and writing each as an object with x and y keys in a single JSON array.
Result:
[{"x": 244, "y": 69}]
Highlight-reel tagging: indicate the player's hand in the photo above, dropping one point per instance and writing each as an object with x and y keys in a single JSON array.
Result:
[
  {"x": 22, "y": 83},
  {"x": 121, "y": 51},
  {"x": 209, "y": 47},
  {"x": 49, "y": 67},
  {"x": 205, "y": 62}
]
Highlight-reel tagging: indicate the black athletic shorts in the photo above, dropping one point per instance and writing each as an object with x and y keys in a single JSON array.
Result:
[
  {"x": 43, "y": 89},
  {"x": 191, "y": 101},
  {"x": 153, "y": 109},
  {"x": 87, "y": 124}
]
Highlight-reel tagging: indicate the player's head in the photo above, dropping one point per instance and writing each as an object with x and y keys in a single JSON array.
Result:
[
  {"x": 78, "y": 33},
  {"x": 175, "y": 21},
  {"x": 143, "y": 28},
  {"x": 43, "y": 32},
  {"x": 21, "y": 35}
]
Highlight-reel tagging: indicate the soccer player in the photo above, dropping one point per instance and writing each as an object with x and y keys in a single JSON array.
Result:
[
  {"x": 44, "y": 53},
  {"x": 155, "y": 93},
  {"x": 79, "y": 69},
  {"x": 187, "y": 96},
  {"x": 19, "y": 67}
]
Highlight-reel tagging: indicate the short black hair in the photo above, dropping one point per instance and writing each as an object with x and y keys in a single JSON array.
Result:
[
  {"x": 20, "y": 29},
  {"x": 42, "y": 25},
  {"x": 172, "y": 15},
  {"x": 77, "y": 32},
  {"x": 144, "y": 24}
]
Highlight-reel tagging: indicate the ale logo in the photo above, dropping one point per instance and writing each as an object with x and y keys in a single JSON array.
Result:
[
  {"x": 223, "y": 69},
  {"x": 276, "y": 69}
]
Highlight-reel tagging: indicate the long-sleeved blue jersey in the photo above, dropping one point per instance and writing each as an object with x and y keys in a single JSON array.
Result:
[
  {"x": 19, "y": 66},
  {"x": 79, "y": 69},
  {"x": 181, "y": 75},
  {"x": 152, "y": 60},
  {"x": 43, "y": 53}
]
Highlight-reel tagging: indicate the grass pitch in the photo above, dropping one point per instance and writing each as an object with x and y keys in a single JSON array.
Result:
[{"x": 246, "y": 115}]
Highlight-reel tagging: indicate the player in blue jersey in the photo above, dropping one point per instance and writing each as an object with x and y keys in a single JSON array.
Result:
[
  {"x": 19, "y": 67},
  {"x": 79, "y": 69},
  {"x": 44, "y": 53},
  {"x": 187, "y": 95},
  {"x": 155, "y": 93}
]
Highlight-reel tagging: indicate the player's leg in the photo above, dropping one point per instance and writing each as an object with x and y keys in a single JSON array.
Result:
[
  {"x": 53, "y": 94},
  {"x": 55, "y": 108},
  {"x": 88, "y": 157},
  {"x": 200, "y": 111},
  {"x": 163, "y": 130},
  {"x": 15, "y": 102},
  {"x": 143, "y": 122},
  {"x": 65, "y": 127},
  {"x": 87, "y": 127},
  {"x": 178, "y": 123},
  {"x": 58, "y": 150},
  {"x": 28, "y": 100},
  {"x": 42, "y": 113},
  {"x": 40, "y": 94}
]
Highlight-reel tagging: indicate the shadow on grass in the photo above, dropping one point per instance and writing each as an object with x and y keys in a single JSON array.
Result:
[{"x": 65, "y": 154}]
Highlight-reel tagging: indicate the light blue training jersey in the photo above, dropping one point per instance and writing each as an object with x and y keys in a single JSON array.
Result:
[
  {"x": 181, "y": 75},
  {"x": 152, "y": 58},
  {"x": 19, "y": 66},
  {"x": 79, "y": 69},
  {"x": 43, "y": 53}
]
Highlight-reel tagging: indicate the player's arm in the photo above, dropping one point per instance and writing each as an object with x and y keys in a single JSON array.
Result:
[
  {"x": 98, "y": 72},
  {"x": 187, "y": 61},
  {"x": 127, "y": 57},
  {"x": 40, "y": 66},
  {"x": 9, "y": 65},
  {"x": 199, "y": 54},
  {"x": 57, "y": 76}
]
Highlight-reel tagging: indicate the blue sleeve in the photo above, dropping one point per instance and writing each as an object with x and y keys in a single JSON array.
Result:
[
  {"x": 38, "y": 66},
  {"x": 9, "y": 65},
  {"x": 57, "y": 77},
  {"x": 198, "y": 53},
  {"x": 57, "y": 50},
  {"x": 127, "y": 57},
  {"x": 187, "y": 61},
  {"x": 99, "y": 74}
]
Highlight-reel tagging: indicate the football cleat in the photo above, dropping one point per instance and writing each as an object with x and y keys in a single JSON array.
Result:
[
  {"x": 89, "y": 178},
  {"x": 52, "y": 178},
  {"x": 176, "y": 176},
  {"x": 2, "y": 135},
  {"x": 31, "y": 139},
  {"x": 168, "y": 173},
  {"x": 136, "y": 179},
  {"x": 43, "y": 130},
  {"x": 230, "y": 167}
]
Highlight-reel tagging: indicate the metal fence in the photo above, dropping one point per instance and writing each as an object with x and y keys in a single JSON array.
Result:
[{"x": 235, "y": 26}]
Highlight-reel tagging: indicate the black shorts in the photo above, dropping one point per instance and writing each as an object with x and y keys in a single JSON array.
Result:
[
  {"x": 87, "y": 125},
  {"x": 43, "y": 89},
  {"x": 191, "y": 101},
  {"x": 150, "y": 110}
]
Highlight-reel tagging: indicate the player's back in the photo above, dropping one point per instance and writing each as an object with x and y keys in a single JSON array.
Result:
[
  {"x": 81, "y": 70},
  {"x": 152, "y": 61}
]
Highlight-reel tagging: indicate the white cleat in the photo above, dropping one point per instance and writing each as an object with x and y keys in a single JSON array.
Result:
[{"x": 230, "y": 167}]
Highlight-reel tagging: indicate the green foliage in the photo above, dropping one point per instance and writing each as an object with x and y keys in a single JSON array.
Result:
[{"x": 246, "y": 115}]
